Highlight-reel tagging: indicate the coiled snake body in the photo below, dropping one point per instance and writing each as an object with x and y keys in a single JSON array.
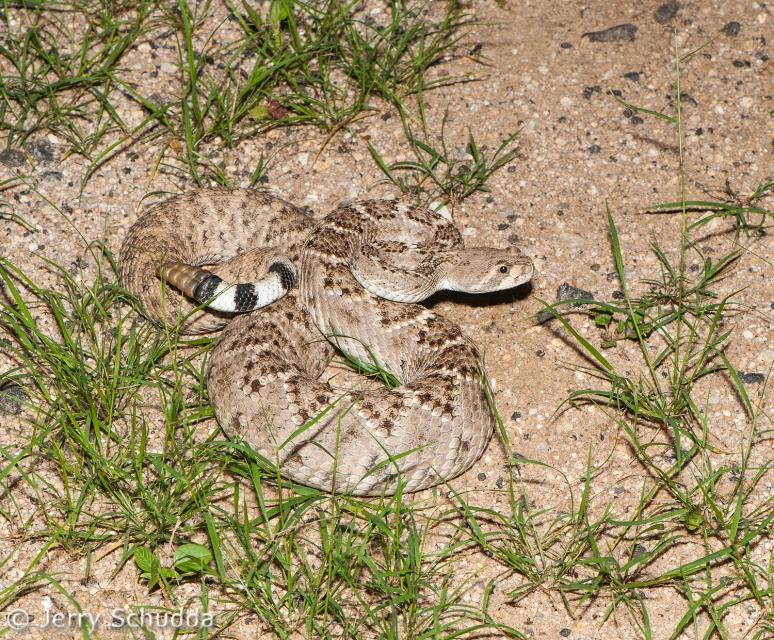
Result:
[{"x": 263, "y": 371}]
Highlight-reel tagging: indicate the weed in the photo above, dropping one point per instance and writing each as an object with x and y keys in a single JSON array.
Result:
[{"x": 438, "y": 175}]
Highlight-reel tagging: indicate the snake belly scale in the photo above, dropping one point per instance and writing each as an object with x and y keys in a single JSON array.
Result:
[{"x": 264, "y": 371}]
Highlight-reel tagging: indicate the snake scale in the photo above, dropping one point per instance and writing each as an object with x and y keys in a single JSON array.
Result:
[{"x": 242, "y": 250}]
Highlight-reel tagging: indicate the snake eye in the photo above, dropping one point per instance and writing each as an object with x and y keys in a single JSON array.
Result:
[{"x": 503, "y": 269}]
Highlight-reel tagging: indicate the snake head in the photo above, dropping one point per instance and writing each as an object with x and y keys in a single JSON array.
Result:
[{"x": 483, "y": 270}]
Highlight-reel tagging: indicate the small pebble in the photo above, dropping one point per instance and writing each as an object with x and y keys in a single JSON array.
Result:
[
  {"x": 568, "y": 292},
  {"x": 513, "y": 238},
  {"x": 500, "y": 483},
  {"x": 12, "y": 157},
  {"x": 732, "y": 29},
  {"x": 594, "y": 148},
  {"x": 571, "y": 239},
  {"x": 541, "y": 446},
  {"x": 540, "y": 353},
  {"x": 748, "y": 334},
  {"x": 634, "y": 76},
  {"x": 590, "y": 91},
  {"x": 666, "y": 12},
  {"x": 515, "y": 415},
  {"x": 738, "y": 64},
  {"x": 481, "y": 476},
  {"x": 566, "y": 45},
  {"x": 619, "y": 33},
  {"x": 10, "y": 395},
  {"x": 751, "y": 378},
  {"x": 565, "y": 633},
  {"x": 41, "y": 151},
  {"x": 52, "y": 176}
]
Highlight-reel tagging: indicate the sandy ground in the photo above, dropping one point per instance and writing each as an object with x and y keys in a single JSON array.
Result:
[{"x": 579, "y": 150}]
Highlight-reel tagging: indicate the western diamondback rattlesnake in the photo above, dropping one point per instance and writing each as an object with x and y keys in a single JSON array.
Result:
[{"x": 263, "y": 371}]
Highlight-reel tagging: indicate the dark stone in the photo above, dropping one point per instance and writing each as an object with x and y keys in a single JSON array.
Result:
[
  {"x": 699, "y": 131},
  {"x": 481, "y": 476},
  {"x": 12, "y": 157},
  {"x": 52, "y": 176},
  {"x": 566, "y": 45},
  {"x": 617, "y": 92},
  {"x": 666, "y": 12},
  {"x": 634, "y": 76},
  {"x": 732, "y": 29},
  {"x": 565, "y": 633},
  {"x": 638, "y": 549},
  {"x": 738, "y": 64},
  {"x": 751, "y": 378},
  {"x": 264, "y": 179},
  {"x": 619, "y": 33},
  {"x": 500, "y": 483},
  {"x": 503, "y": 226},
  {"x": 590, "y": 91},
  {"x": 628, "y": 113},
  {"x": 511, "y": 169},
  {"x": 636, "y": 120},
  {"x": 10, "y": 396},
  {"x": 619, "y": 490},
  {"x": 568, "y": 292},
  {"x": 595, "y": 267},
  {"x": 41, "y": 151},
  {"x": 687, "y": 99},
  {"x": 594, "y": 148},
  {"x": 516, "y": 415},
  {"x": 513, "y": 238},
  {"x": 386, "y": 116},
  {"x": 540, "y": 353},
  {"x": 618, "y": 295}
]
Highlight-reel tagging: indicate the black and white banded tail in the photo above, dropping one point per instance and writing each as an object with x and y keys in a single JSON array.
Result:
[{"x": 205, "y": 287}]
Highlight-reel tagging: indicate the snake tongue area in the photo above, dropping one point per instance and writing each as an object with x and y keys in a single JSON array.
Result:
[{"x": 263, "y": 372}]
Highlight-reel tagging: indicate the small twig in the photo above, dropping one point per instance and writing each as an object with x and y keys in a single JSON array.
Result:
[{"x": 335, "y": 130}]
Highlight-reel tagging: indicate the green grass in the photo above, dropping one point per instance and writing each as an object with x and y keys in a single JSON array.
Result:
[
  {"x": 436, "y": 176},
  {"x": 239, "y": 74},
  {"x": 119, "y": 459}
]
